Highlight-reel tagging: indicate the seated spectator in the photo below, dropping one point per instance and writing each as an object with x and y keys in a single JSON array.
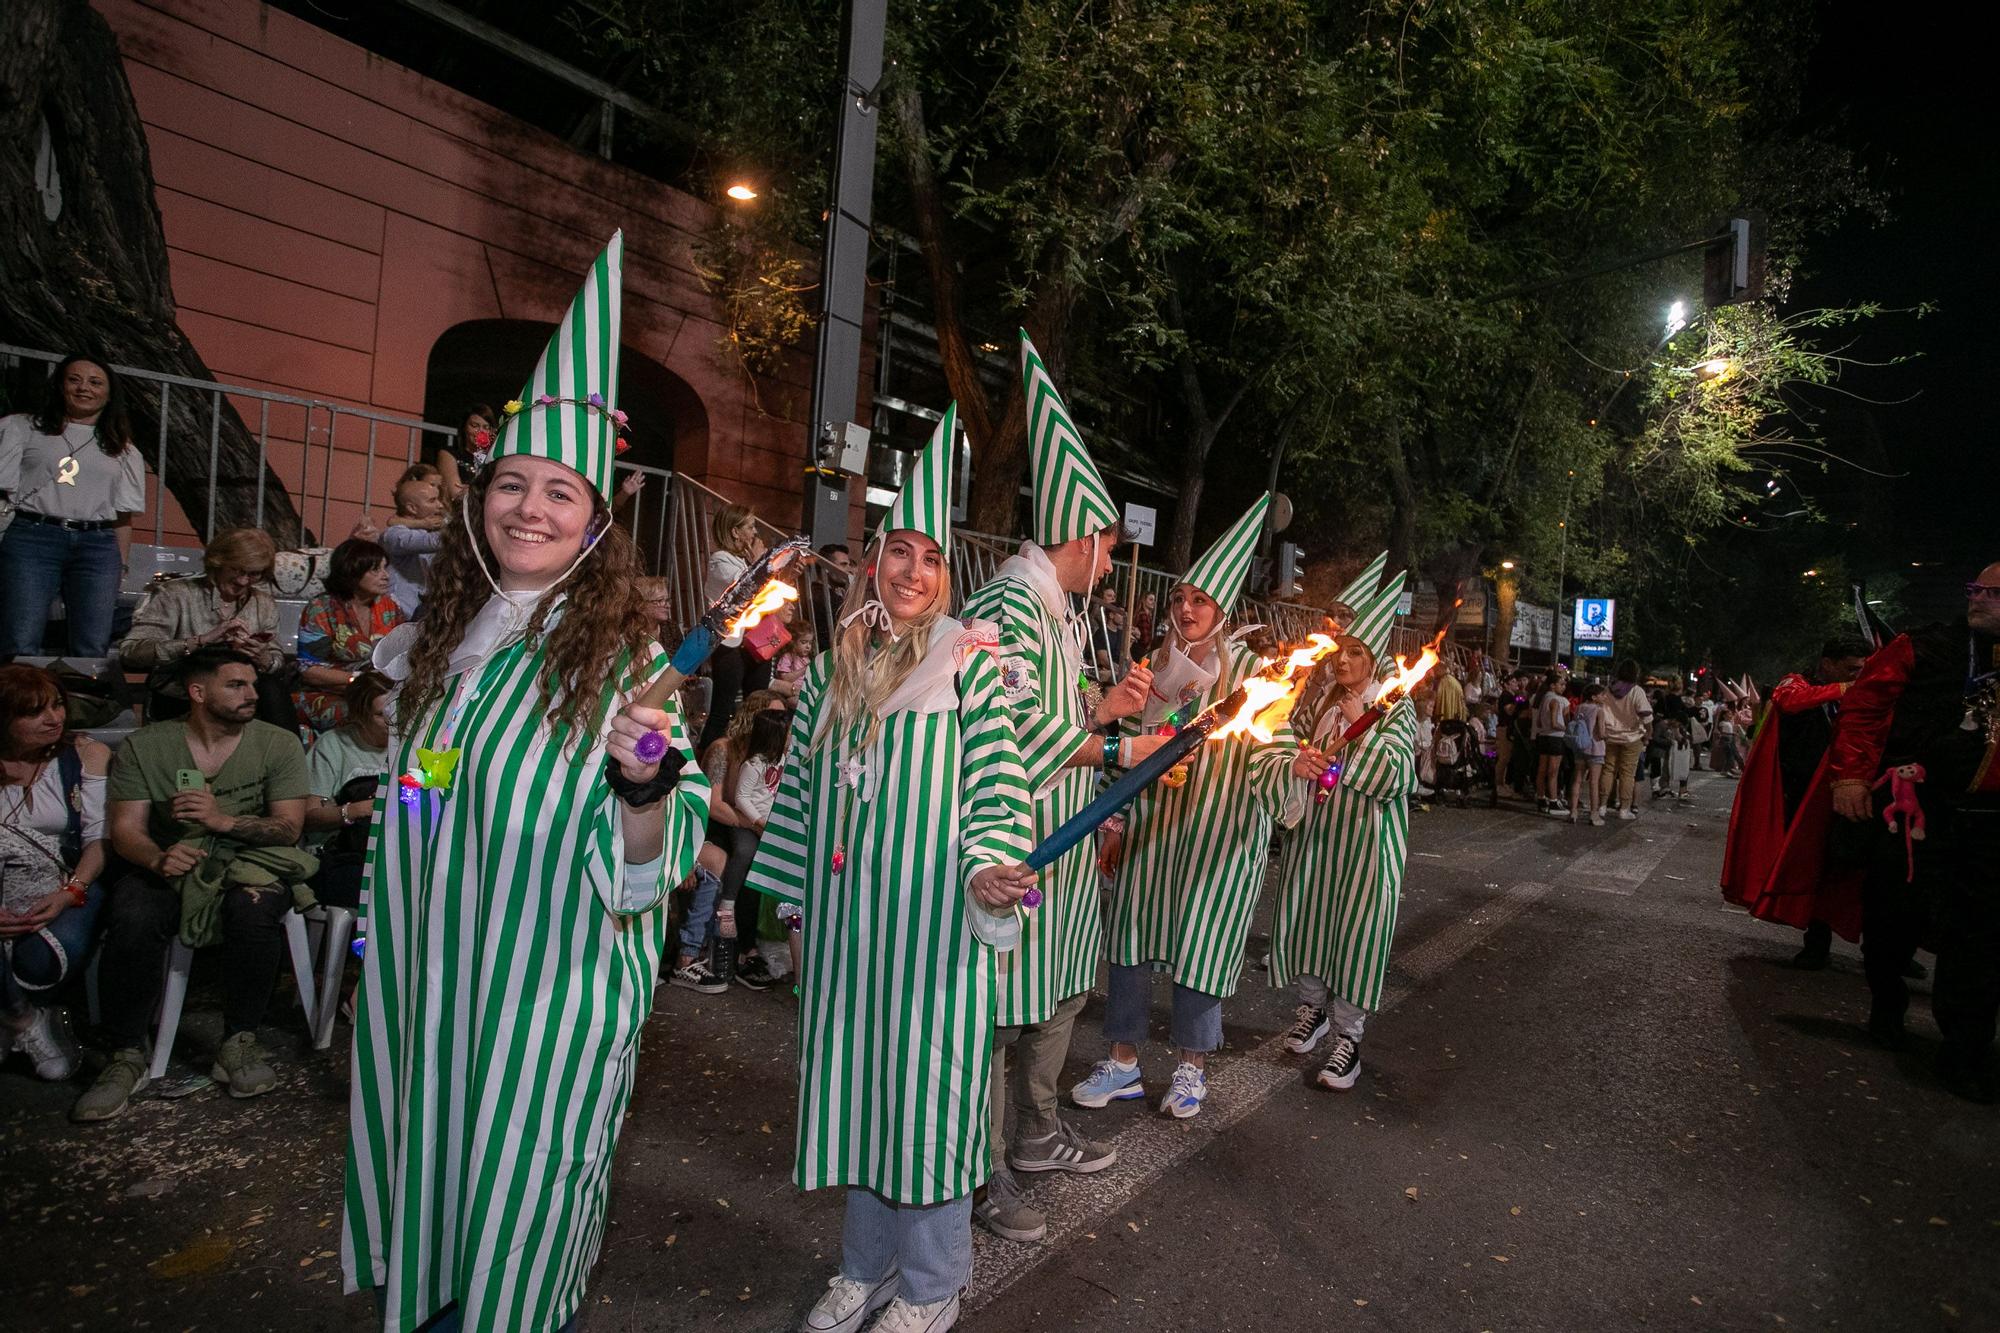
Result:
[
  {"x": 344, "y": 768},
  {"x": 230, "y": 605},
  {"x": 659, "y": 606},
  {"x": 52, "y": 845},
  {"x": 73, "y": 479},
  {"x": 206, "y": 813},
  {"x": 413, "y": 539},
  {"x": 340, "y": 628},
  {"x": 788, "y": 674}
]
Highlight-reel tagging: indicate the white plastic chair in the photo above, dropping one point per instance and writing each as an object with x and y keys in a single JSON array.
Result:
[
  {"x": 180, "y": 958},
  {"x": 329, "y": 929}
]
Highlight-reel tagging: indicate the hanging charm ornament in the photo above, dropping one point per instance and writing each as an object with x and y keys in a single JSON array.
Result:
[
  {"x": 66, "y": 470},
  {"x": 651, "y": 747}
]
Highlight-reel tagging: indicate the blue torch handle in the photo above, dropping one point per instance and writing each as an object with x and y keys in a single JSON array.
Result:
[
  {"x": 1120, "y": 793},
  {"x": 694, "y": 650}
]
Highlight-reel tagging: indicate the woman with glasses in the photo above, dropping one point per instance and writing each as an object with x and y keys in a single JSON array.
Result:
[{"x": 230, "y": 603}]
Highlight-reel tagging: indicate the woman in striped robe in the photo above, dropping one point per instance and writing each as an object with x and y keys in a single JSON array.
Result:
[
  {"x": 1194, "y": 855},
  {"x": 900, "y": 821},
  {"x": 1341, "y": 874},
  {"x": 515, "y": 903}
]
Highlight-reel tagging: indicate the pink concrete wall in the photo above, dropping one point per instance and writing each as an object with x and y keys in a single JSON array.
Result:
[{"x": 329, "y": 215}]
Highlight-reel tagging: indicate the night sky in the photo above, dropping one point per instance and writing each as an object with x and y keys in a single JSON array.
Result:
[{"x": 1916, "y": 104}]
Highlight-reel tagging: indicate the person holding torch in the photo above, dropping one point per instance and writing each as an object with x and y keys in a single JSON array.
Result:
[
  {"x": 1342, "y": 869},
  {"x": 516, "y": 892},
  {"x": 899, "y": 824},
  {"x": 1042, "y": 639},
  {"x": 1193, "y": 854}
]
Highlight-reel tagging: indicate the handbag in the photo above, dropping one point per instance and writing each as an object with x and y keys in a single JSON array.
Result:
[{"x": 766, "y": 639}]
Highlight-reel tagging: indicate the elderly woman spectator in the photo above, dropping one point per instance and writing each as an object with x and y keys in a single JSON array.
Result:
[
  {"x": 52, "y": 849},
  {"x": 72, "y": 478},
  {"x": 229, "y": 604},
  {"x": 340, "y": 628}
]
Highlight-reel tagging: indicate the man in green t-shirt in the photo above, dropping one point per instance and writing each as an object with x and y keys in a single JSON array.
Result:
[{"x": 196, "y": 790}]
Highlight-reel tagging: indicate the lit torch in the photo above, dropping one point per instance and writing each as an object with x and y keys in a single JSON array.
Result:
[
  {"x": 756, "y": 593},
  {"x": 1257, "y": 707},
  {"x": 1394, "y": 690}
]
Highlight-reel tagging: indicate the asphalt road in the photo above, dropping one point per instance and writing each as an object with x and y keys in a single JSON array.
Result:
[{"x": 1596, "y": 1099}]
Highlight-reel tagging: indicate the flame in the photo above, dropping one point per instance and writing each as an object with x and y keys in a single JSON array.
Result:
[
  {"x": 1270, "y": 695},
  {"x": 1410, "y": 674},
  {"x": 774, "y": 594}
]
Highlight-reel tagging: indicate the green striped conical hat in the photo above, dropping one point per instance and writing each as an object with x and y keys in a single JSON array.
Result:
[
  {"x": 924, "y": 503},
  {"x": 1374, "y": 618},
  {"x": 567, "y": 412},
  {"x": 1221, "y": 570},
  {"x": 1365, "y": 583},
  {"x": 1070, "y": 497}
]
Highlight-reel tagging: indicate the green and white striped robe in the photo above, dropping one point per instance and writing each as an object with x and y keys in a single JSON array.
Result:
[
  {"x": 1194, "y": 855},
  {"x": 1040, "y": 665},
  {"x": 896, "y": 995},
  {"x": 509, "y": 967},
  {"x": 1342, "y": 870}
]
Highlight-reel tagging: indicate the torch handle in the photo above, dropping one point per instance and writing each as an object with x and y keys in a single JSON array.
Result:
[{"x": 1135, "y": 780}]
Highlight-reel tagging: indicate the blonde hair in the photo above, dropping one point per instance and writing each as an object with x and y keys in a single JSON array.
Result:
[
  {"x": 723, "y": 527},
  {"x": 865, "y": 675},
  {"x": 245, "y": 550}
]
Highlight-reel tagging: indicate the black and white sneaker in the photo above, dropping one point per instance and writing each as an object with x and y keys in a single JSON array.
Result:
[
  {"x": 696, "y": 977},
  {"x": 1343, "y": 1064},
  {"x": 1307, "y": 1031}
]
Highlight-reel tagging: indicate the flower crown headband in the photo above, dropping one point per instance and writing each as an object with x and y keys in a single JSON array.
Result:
[{"x": 483, "y": 440}]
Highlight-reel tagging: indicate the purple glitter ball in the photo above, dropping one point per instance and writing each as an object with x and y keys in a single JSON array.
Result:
[
  {"x": 1032, "y": 898},
  {"x": 652, "y": 747}
]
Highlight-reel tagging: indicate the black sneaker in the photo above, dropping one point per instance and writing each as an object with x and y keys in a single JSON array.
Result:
[
  {"x": 1812, "y": 958},
  {"x": 1914, "y": 971},
  {"x": 752, "y": 973},
  {"x": 1307, "y": 1031},
  {"x": 1343, "y": 1064}
]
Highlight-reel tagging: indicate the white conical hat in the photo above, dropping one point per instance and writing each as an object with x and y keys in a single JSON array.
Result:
[
  {"x": 1374, "y": 618},
  {"x": 1071, "y": 500},
  {"x": 924, "y": 503},
  {"x": 1223, "y": 567}
]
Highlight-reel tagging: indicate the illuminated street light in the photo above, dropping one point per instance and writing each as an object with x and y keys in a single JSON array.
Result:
[
  {"x": 741, "y": 193},
  {"x": 1677, "y": 317},
  {"x": 1712, "y": 369},
  {"x": 1506, "y": 564}
]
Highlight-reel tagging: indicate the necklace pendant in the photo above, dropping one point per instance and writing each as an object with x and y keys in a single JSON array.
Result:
[
  {"x": 66, "y": 470},
  {"x": 839, "y": 859}
]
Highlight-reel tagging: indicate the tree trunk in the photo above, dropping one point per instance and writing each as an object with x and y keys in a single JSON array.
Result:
[
  {"x": 83, "y": 258},
  {"x": 1402, "y": 500}
]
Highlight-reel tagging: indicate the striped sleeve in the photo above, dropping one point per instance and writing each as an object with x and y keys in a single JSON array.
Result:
[
  {"x": 687, "y": 818},
  {"x": 1384, "y": 762},
  {"x": 780, "y": 866},
  {"x": 995, "y": 818},
  {"x": 1045, "y": 738}
]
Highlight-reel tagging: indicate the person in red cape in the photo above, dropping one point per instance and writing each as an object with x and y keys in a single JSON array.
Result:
[
  {"x": 1774, "y": 863},
  {"x": 1931, "y": 699}
]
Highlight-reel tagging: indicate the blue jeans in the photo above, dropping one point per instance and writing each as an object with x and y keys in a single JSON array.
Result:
[
  {"x": 1197, "y": 1021},
  {"x": 41, "y": 561},
  {"x": 931, "y": 1245},
  {"x": 699, "y": 927},
  {"x": 33, "y": 964}
]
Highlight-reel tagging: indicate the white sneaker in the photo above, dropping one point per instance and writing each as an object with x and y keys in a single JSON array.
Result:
[
  {"x": 1628, "y": 814},
  {"x": 1596, "y": 820},
  {"x": 847, "y": 1303},
  {"x": 47, "y": 1041},
  {"x": 1184, "y": 1097},
  {"x": 903, "y": 1317}
]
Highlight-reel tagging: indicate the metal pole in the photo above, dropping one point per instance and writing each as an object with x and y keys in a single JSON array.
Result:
[
  {"x": 1562, "y": 561},
  {"x": 160, "y": 508},
  {"x": 326, "y": 475},
  {"x": 368, "y": 474},
  {"x": 844, "y": 265},
  {"x": 263, "y": 450},
  {"x": 214, "y": 454}
]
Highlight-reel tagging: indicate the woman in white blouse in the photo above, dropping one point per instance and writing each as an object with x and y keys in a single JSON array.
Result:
[
  {"x": 72, "y": 478},
  {"x": 52, "y": 851}
]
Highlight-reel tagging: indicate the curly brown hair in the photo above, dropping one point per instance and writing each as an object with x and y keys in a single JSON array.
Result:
[{"x": 604, "y": 628}]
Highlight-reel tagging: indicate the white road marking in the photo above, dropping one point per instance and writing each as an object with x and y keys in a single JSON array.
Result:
[{"x": 1153, "y": 1145}]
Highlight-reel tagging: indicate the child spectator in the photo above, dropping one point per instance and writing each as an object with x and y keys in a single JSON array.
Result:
[
  {"x": 413, "y": 539},
  {"x": 789, "y": 674}
]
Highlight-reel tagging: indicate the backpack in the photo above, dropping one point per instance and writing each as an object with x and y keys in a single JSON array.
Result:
[
  {"x": 1580, "y": 739},
  {"x": 1447, "y": 752}
]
